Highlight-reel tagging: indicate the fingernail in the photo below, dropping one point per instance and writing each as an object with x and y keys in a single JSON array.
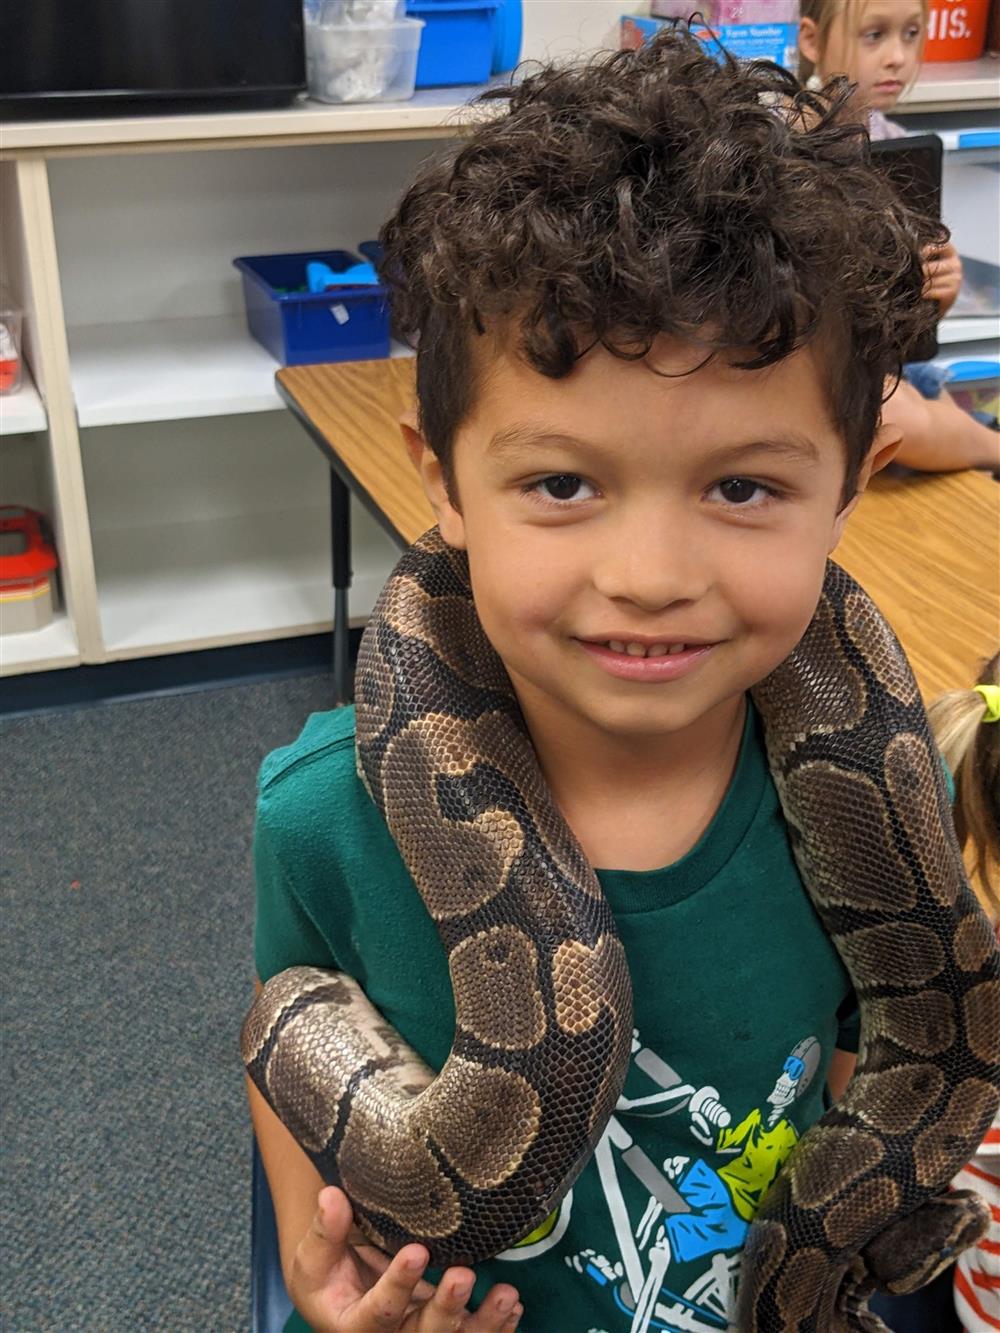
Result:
[{"x": 461, "y": 1291}]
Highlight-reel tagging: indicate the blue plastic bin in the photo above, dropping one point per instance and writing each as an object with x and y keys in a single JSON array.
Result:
[
  {"x": 299, "y": 327},
  {"x": 507, "y": 36},
  {"x": 457, "y": 43}
]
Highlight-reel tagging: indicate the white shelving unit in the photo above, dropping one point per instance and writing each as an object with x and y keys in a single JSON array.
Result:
[
  {"x": 190, "y": 510},
  {"x": 41, "y": 650},
  {"x": 23, "y": 412},
  {"x": 168, "y": 370},
  {"x": 201, "y": 508},
  {"x": 961, "y": 85},
  {"x": 171, "y": 370}
]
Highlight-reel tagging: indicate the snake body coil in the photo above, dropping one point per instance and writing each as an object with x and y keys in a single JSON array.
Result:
[{"x": 473, "y": 1159}]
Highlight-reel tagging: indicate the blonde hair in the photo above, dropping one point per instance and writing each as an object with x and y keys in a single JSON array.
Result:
[
  {"x": 971, "y": 749},
  {"x": 825, "y": 13}
]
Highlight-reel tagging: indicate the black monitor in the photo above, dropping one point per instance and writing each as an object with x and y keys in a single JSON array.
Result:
[
  {"x": 913, "y": 165},
  {"x": 92, "y": 56}
]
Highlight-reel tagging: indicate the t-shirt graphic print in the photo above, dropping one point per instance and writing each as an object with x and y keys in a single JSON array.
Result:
[{"x": 676, "y": 1260}]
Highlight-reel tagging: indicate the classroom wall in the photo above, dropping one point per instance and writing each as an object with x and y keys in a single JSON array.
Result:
[{"x": 555, "y": 29}]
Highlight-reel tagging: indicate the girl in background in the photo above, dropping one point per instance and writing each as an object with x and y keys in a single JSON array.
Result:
[
  {"x": 966, "y": 726},
  {"x": 878, "y": 45}
]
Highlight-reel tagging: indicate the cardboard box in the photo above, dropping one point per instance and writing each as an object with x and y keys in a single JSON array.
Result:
[
  {"x": 746, "y": 41},
  {"x": 715, "y": 12}
]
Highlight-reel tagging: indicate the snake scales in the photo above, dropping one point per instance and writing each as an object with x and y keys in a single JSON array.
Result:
[{"x": 473, "y": 1159}]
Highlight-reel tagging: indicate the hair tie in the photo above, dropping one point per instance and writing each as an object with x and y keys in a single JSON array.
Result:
[{"x": 991, "y": 696}]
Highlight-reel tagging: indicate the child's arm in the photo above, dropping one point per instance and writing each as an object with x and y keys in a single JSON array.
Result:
[
  {"x": 339, "y": 1282},
  {"x": 838, "y": 1076}
]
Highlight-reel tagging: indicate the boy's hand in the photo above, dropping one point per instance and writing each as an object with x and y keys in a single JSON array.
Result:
[
  {"x": 942, "y": 274},
  {"x": 339, "y": 1289}
]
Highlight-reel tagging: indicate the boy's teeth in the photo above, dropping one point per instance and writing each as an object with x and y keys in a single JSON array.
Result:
[{"x": 640, "y": 650}]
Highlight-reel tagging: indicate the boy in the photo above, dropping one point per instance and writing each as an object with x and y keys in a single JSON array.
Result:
[{"x": 655, "y": 315}]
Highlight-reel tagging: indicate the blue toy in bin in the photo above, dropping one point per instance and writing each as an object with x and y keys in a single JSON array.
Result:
[{"x": 299, "y": 327}]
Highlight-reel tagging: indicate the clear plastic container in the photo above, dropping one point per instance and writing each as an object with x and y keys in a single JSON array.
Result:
[
  {"x": 361, "y": 62},
  {"x": 10, "y": 350}
]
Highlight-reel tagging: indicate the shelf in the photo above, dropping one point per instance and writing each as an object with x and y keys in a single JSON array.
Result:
[
  {"x": 22, "y": 412},
  {"x": 172, "y": 370},
  {"x": 962, "y": 85},
  {"x": 430, "y": 113},
  {"x": 41, "y": 649},
  {"x": 172, "y": 587},
  {"x": 168, "y": 370},
  {"x": 968, "y": 328}
]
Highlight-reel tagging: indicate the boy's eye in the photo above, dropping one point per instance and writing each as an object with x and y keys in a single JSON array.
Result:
[
  {"x": 562, "y": 486},
  {"x": 741, "y": 490}
]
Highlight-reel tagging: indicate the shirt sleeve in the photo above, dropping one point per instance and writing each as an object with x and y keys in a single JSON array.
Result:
[
  {"x": 849, "y": 1025},
  {"x": 284, "y": 934}
]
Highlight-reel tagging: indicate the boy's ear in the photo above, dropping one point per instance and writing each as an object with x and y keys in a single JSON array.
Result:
[
  {"x": 809, "y": 40},
  {"x": 887, "y": 440},
  {"x": 427, "y": 463}
]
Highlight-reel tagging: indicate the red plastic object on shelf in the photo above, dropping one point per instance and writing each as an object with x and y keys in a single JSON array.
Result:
[
  {"x": 27, "y": 560},
  {"x": 956, "y": 29}
]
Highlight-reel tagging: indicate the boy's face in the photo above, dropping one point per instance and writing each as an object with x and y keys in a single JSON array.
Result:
[{"x": 691, "y": 515}]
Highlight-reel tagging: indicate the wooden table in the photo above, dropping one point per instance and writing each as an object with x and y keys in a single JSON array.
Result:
[{"x": 927, "y": 547}]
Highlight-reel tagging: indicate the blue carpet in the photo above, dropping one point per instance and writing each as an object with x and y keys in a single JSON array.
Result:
[{"x": 127, "y": 900}]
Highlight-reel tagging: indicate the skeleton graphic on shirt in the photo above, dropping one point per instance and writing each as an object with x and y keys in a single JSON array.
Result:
[{"x": 697, "y": 1210}]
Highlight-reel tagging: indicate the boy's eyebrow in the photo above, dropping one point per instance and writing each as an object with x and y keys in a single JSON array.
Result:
[
  {"x": 790, "y": 447},
  {"x": 512, "y": 438}
]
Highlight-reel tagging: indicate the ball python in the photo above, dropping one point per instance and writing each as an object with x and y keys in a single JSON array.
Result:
[{"x": 470, "y": 1160}]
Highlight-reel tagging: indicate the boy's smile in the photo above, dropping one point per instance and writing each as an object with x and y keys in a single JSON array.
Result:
[
  {"x": 643, "y": 547},
  {"x": 638, "y": 661}
]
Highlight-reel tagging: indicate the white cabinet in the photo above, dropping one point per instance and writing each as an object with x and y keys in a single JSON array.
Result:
[{"x": 189, "y": 509}]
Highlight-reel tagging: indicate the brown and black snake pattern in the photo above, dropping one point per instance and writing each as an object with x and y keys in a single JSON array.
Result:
[{"x": 473, "y": 1159}]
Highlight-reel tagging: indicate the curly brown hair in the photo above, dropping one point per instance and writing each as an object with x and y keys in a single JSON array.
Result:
[{"x": 659, "y": 191}]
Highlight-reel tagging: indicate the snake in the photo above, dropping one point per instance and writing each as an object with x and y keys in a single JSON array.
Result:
[{"x": 470, "y": 1159}]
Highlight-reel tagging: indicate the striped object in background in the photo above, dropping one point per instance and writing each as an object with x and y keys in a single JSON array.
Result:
[{"x": 977, "y": 1272}]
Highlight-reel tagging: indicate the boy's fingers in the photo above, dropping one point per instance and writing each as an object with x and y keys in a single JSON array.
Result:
[
  {"x": 378, "y": 1262},
  {"x": 325, "y": 1243},
  {"x": 499, "y": 1312},
  {"x": 445, "y": 1311},
  {"x": 384, "y": 1306}
]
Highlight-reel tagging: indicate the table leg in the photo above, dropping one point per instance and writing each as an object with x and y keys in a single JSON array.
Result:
[{"x": 340, "y": 537}]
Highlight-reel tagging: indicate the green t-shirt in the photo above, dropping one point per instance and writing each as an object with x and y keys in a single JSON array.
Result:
[{"x": 740, "y": 999}]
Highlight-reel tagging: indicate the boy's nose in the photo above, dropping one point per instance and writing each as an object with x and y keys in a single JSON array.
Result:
[{"x": 653, "y": 565}]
